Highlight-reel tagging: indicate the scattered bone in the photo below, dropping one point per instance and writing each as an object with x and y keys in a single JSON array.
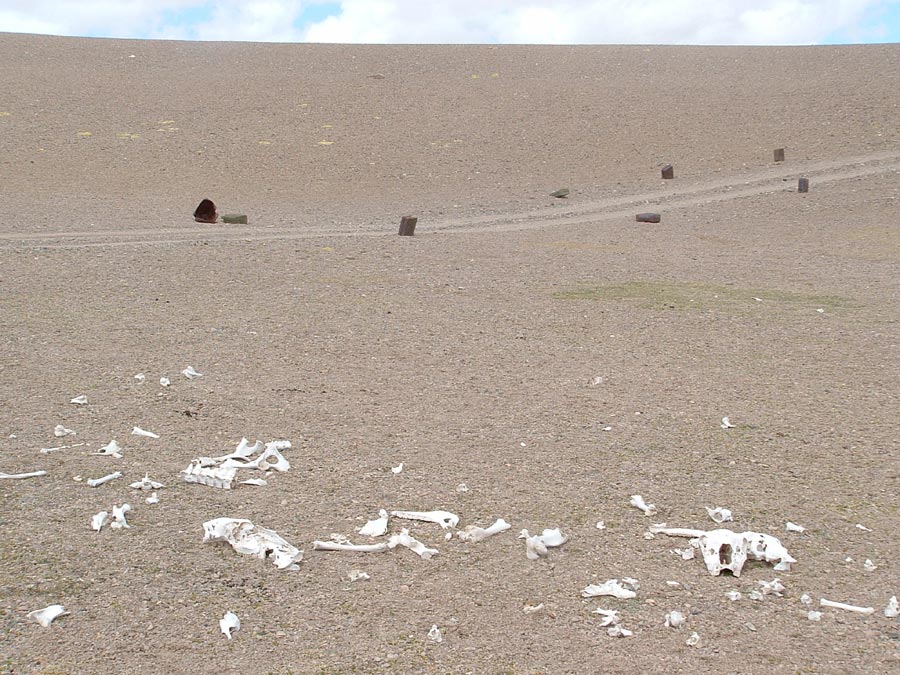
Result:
[
  {"x": 377, "y": 527},
  {"x": 229, "y": 624},
  {"x": 757, "y": 595},
  {"x": 137, "y": 431},
  {"x": 98, "y": 520},
  {"x": 17, "y": 476},
  {"x": 693, "y": 640},
  {"x": 414, "y": 545},
  {"x": 649, "y": 535},
  {"x": 674, "y": 619},
  {"x": 850, "y": 608},
  {"x": 624, "y": 590},
  {"x": 892, "y": 611},
  {"x": 673, "y": 584},
  {"x": 793, "y": 527},
  {"x": 536, "y": 545},
  {"x": 638, "y": 502},
  {"x": 596, "y": 380},
  {"x": 862, "y": 527},
  {"x": 443, "y": 518},
  {"x": 813, "y": 615},
  {"x": 46, "y": 616},
  {"x": 217, "y": 478},
  {"x": 435, "y": 634},
  {"x": 610, "y": 616},
  {"x": 475, "y": 534},
  {"x": 532, "y": 609},
  {"x": 248, "y": 539},
  {"x": 600, "y": 525},
  {"x": 152, "y": 499},
  {"x": 685, "y": 553},
  {"x": 726, "y": 423},
  {"x": 118, "y": 514},
  {"x": 768, "y": 548},
  {"x": 140, "y": 377},
  {"x": 97, "y": 482},
  {"x": 357, "y": 575},
  {"x": 750, "y": 627},
  {"x": 47, "y": 451},
  {"x": 805, "y": 599},
  {"x": 165, "y": 381},
  {"x": 146, "y": 484},
  {"x": 727, "y": 550},
  {"x": 111, "y": 449},
  {"x": 619, "y": 631},
  {"x": 270, "y": 458},
  {"x": 79, "y": 400},
  {"x": 719, "y": 514},
  {"x": 462, "y": 487},
  {"x": 347, "y": 546},
  {"x": 59, "y": 431},
  {"x": 397, "y": 469},
  {"x": 870, "y": 566},
  {"x": 660, "y": 528},
  {"x": 774, "y": 587},
  {"x": 190, "y": 373},
  {"x": 734, "y": 596},
  {"x": 259, "y": 482}
]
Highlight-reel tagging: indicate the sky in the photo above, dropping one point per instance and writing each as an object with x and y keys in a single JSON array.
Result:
[{"x": 701, "y": 22}]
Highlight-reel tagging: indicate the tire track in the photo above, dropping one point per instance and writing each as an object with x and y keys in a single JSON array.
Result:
[{"x": 765, "y": 181}]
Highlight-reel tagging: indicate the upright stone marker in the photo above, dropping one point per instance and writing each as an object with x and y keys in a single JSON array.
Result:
[
  {"x": 803, "y": 185},
  {"x": 407, "y": 226},
  {"x": 668, "y": 171},
  {"x": 779, "y": 154}
]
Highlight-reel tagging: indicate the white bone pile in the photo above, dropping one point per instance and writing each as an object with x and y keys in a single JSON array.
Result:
[
  {"x": 220, "y": 472},
  {"x": 248, "y": 539}
]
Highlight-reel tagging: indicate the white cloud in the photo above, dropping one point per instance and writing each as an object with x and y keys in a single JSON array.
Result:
[{"x": 458, "y": 21}]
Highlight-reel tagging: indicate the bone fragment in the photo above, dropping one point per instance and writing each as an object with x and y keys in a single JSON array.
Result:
[
  {"x": 734, "y": 596},
  {"x": 61, "y": 431},
  {"x": 47, "y": 451},
  {"x": 435, "y": 634},
  {"x": 462, "y": 487},
  {"x": 79, "y": 400},
  {"x": 46, "y": 615},
  {"x": 474, "y": 534},
  {"x": 96, "y": 482},
  {"x": 610, "y": 616},
  {"x": 674, "y": 619},
  {"x": 813, "y": 615},
  {"x": 850, "y": 608},
  {"x": 397, "y": 469},
  {"x": 870, "y": 566},
  {"x": 805, "y": 599},
  {"x": 532, "y": 609},
  {"x": 685, "y": 553},
  {"x": 774, "y": 587},
  {"x": 793, "y": 527},
  {"x": 118, "y": 514},
  {"x": 726, "y": 423},
  {"x": 16, "y": 476},
  {"x": 229, "y": 624},
  {"x": 347, "y": 546},
  {"x": 892, "y": 611},
  {"x": 536, "y": 545},
  {"x": 165, "y": 381},
  {"x": 259, "y": 482},
  {"x": 248, "y": 539},
  {"x": 443, "y": 518},
  {"x": 619, "y": 631},
  {"x": 98, "y": 520},
  {"x": 638, "y": 502},
  {"x": 137, "y": 431},
  {"x": 140, "y": 377},
  {"x": 111, "y": 449},
  {"x": 146, "y": 484},
  {"x": 414, "y": 545},
  {"x": 217, "y": 478},
  {"x": 377, "y": 527},
  {"x": 693, "y": 640},
  {"x": 719, "y": 515},
  {"x": 152, "y": 499},
  {"x": 661, "y": 528},
  {"x": 357, "y": 575},
  {"x": 862, "y": 527},
  {"x": 600, "y": 525},
  {"x": 613, "y": 587},
  {"x": 190, "y": 373}
]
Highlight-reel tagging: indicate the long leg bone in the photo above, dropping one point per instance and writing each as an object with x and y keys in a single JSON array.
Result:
[
  {"x": 32, "y": 474},
  {"x": 414, "y": 545},
  {"x": 96, "y": 482},
  {"x": 475, "y": 534},
  {"x": 443, "y": 518},
  {"x": 850, "y": 608},
  {"x": 346, "y": 546}
]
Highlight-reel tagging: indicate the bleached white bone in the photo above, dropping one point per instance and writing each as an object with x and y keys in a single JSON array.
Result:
[
  {"x": 443, "y": 518},
  {"x": 96, "y": 482},
  {"x": 674, "y": 619},
  {"x": 347, "y": 546},
  {"x": 17, "y": 476},
  {"x": 693, "y": 640},
  {"x": 462, "y": 487},
  {"x": 435, "y": 634},
  {"x": 79, "y": 400},
  {"x": 259, "y": 482},
  {"x": 357, "y": 575},
  {"x": 244, "y": 449},
  {"x": 613, "y": 587},
  {"x": 98, "y": 520},
  {"x": 724, "y": 550},
  {"x": 805, "y": 599},
  {"x": 152, "y": 499},
  {"x": 46, "y": 615},
  {"x": 813, "y": 615},
  {"x": 774, "y": 587},
  {"x": 536, "y": 545},
  {"x": 47, "y": 451},
  {"x": 610, "y": 616},
  {"x": 638, "y": 502},
  {"x": 229, "y": 624},
  {"x": 146, "y": 484},
  {"x": 862, "y": 527},
  {"x": 59, "y": 431},
  {"x": 685, "y": 553},
  {"x": 248, "y": 539},
  {"x": 726, "y": 423},
  {"x": 217, "y": 478},
  {"x": 768, "y": 548},
  {"x": 118, "y": 514},
  {"x": 140, "y": 377},
  {"x": 793, "y": 527},
  {"x": 619, "y": 631},
  {"x": 377, "y": 527},
  {"x": 137, "y": 431},
  {"x": 397, "y": 469},
  {"x": 892, "y": 611},
  {"x": 532, "y": 609},
  {"x": 475, "y": 534},
  {"x": 734, "y": 596},
  {"x": 870, "y": 566},
  {"x": 190, "y": 373},
  {"x": 413, "y": 544},
  {"x": 600, "y": 525},
  {"x": 850, "y": 608},
  {"x": 111, "y": 449},
  {"x": 719, "y": 514},
  {"x": 660, "y": 528},
  {"x": 165, "y": 381}
]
